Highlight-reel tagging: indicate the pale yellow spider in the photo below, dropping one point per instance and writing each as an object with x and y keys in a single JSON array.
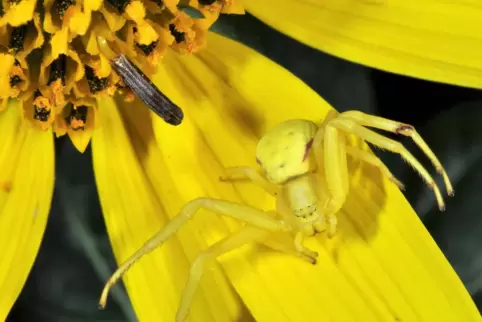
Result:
[{"x": 291, "y": 155}]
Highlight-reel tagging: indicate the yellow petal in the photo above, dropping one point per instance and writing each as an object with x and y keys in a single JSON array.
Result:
[
  {"x": 133, "y": 213},
  {"x": 382, "y": 265},
  {"x": 433, "y": 40},
  {"x": 27, "y": 163}
]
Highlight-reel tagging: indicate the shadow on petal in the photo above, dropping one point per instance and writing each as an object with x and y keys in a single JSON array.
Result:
[{"x": 455, "y": 135}]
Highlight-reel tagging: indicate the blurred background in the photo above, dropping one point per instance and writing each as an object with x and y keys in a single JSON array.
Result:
[{"x": 75, "y": 257}]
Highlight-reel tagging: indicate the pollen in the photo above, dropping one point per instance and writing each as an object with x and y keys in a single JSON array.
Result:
[
  {"x": 77, "y": 117},
  {"x": 52, "y": 59},
  {"x": 96, "y": 84}
]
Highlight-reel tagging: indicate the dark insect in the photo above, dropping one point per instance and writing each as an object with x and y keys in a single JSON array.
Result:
[{"x": 142, "y": 86}]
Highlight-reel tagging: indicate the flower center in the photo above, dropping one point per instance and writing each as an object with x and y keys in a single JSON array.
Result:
[{"x": 57, "y": 67}]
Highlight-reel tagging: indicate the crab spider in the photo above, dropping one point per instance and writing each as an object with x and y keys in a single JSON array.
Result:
[{"x": 294, "y": 156}]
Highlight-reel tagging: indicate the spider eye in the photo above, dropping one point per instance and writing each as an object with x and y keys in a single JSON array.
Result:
[
  {"x": 307, "y": 149},
  {"x": 259, "y": 162}
]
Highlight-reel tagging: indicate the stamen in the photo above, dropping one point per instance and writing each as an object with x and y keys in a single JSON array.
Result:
[
  {"x": 57, "y": 64},
  {"x": 17, "y": 38},
  {"x": 76, "y": 117},
  {"x": 15, "y": 80},
  {"x": 206, "y": 2},
  {"x": 160, "y": 3},
  {"x": 41, "y": 110},
  {"x": 95, "y": 84},
  {"x": 48, "y": 37},
  {"x": 179, "y": 36},
  {"x": 146, "y": 49},
  {"x": 16, "y": 76},
  {"x": 41, "y": 114},
  {"x": 60, "y": 7},
  {"x": 57, "y": 69},
  {"x": 147, "y": 91},
  {"x": 120, "y": 5}
]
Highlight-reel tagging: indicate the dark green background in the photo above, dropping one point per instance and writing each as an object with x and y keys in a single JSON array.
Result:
[{"x": 75, "y": 257}]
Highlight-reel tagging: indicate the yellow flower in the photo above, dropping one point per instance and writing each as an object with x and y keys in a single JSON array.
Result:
[
  {"x": 382, "y": 265},
  {"x": 429, "y": 39}
]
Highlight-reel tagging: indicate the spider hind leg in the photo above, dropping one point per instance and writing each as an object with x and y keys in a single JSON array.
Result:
[{"x": 250, "y": 215}]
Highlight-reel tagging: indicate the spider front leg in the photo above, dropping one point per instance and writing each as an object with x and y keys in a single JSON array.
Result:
[
  {"x": 329, "y": 146},
  {"x": 405, "y": 130},
  {"x": 287, "y": 246},
  {"x": 350, "y": 126},
  {"x": 250, "y": 215},
  {"x": 237, "y": 173}
]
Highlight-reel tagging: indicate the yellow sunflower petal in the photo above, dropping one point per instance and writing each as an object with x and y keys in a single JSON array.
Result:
[
  {"x": 133, "y": 213},
  {"x": 382, "y": 265},
  {"x": 433, "y": 40},
  {"x": 27, "y": 163}
]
